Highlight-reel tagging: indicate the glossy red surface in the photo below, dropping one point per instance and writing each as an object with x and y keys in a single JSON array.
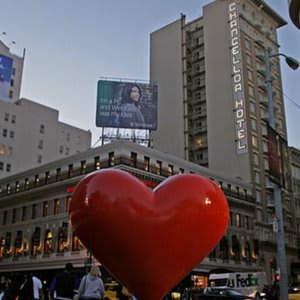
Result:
[{"x": 149, "y": 240}]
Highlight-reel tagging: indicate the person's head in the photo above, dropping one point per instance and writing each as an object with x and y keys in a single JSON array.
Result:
[
  {"x": 69, "y": 267},
  {"x": 131, "y": 93},
  {"x": 95, "y": 271}
]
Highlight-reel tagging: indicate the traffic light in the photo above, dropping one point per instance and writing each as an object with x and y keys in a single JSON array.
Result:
[{"x": 277, "y": 277}]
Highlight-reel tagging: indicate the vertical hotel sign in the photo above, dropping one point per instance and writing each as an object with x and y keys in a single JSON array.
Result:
[{"x": 237, "y": 80}]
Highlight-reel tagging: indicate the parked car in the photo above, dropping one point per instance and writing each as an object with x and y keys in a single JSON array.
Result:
[
  {"x": 225, "y": 293},
  {"x": 294, "y": 292}
]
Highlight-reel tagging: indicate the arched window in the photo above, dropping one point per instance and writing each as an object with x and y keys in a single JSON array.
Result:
[
  {"x": 62, "y": 238},
  {"x": 236, "y": 249},
  {"x": 36, "y": 242},
  {"x": 224, "y": 248},
  {"x": 18, "y": 243},
  {"x": 76, "y": 244},
  {"x": 48, "y": 242},
  {"x": 247, "y": 251}
]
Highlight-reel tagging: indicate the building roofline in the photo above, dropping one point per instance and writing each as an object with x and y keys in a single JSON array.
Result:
[{"x": 261, "y": 4}]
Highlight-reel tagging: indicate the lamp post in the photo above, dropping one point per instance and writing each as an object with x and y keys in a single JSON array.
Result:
[{"x": 293, "y": 64}]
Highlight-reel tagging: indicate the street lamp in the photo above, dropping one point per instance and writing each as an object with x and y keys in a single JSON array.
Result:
[{"x": 293, "y": 64}]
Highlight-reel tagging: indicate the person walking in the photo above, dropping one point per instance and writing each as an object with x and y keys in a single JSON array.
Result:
[
  {"x": 91, "y": 286},
  {"x": 62, "y": 285}
]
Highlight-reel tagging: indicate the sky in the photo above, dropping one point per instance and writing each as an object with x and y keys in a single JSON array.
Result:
[{"x": 71, "y": 44}]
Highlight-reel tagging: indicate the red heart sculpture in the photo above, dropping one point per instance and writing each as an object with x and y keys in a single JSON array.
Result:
[{"x": 149, "y": 240}]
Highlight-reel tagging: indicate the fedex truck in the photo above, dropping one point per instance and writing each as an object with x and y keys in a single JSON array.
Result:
[{"x": 250, "y": 283}]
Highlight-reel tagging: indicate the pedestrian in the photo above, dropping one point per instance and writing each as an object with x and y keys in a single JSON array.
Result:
[
  {"x": 37, "y": 288},
  {"x": 62, "y": 285},
  {"x": 91, "y": 286}
]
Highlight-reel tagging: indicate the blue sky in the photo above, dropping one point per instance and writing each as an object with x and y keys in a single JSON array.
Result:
[{"x": 70, "y": 44}]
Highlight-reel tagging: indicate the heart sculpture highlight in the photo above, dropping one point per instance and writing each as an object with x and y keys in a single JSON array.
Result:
[{"x": 149, "y": 240}]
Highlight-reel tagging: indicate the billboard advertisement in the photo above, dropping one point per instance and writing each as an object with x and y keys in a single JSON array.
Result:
[
  {"x": 126, "y": 105},
  {"x": 5, "y": 76}
]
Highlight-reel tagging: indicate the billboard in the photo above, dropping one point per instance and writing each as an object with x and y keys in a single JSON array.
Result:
[
  {"x": 126, "y": 105},
  {"x": 5, "y": 76}
]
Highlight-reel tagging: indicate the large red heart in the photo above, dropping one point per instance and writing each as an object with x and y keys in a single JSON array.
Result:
[{"x": 149, "y": 240}]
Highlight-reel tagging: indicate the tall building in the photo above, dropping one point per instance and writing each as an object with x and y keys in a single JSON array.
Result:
[
  {"x": 30, "y": 133},
  {"x": 213, "y": 107}
]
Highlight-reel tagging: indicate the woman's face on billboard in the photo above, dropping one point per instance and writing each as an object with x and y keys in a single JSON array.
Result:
[{"x": 135, "y": 94}]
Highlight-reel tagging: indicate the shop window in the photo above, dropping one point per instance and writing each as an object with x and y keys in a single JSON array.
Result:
[
  {"x": 62, "y": 238},
  {"x": 36, "y": 242},
  {"x": 48, "y": 242},
  {"x": 76, "y": 244},
  {"x": 247, "y": 253},
  {"x": 18, "y": 244},
  {"x": 7, "y": 247},
  {"x": 68, "y": 199},
  {"x": 236, "y": 250}
]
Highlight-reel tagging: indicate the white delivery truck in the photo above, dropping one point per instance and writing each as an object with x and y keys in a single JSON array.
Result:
[{"x": 250, "y": 284}]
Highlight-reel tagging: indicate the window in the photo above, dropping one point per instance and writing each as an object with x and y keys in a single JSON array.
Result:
[
  {"x": 33, "y": 212},
  {"x": 82, "y": 166},
  {"x": 13, "y": 119},
  {"x": 45, "y": 208},
  {"x": 24, "y": 212},
  {"x": 70, "y": 170},
  {"x": 133, "y": 156},
  {"x": 97, "y": 163},
  {"x": 48, "y": 242},
  {"x": 247, "y": 222},
  {"x": 170, "y": 170},
  {"x": 11, "y": 94},
  {"x": 11, "y": 134},
  {"x": 68, "y": 199},
  {"x": 4, "y": 220},
  {"x": 41, "y": 144},
  {"x": 14, "y": 216},
  {"x": 257, "y": 177},
  {"x": 6, "y": 117},
  {"x": 4, "y": 133},
  {"x": 58, "y": 173},
  {"x": 39, "y": 159},
  {"x": 2, "y": 149},
  {"x": 13, "y": 71},
  {"x": 47, "y": 176},
  {"x": 56, "y": 206},
  {"x": 8, "y": 167},
  {"x": 238, "y": 220},
  {"x": 146, "y": 163},
  {"x": 181, "y": 171},
  {"x": 67, "y": 150},
  {"x": 258, "y": 196},
  {"x": 42, "y": 128},
  {"x": 1, "y": 165},
  {"x": 254, "y": 141},
  {"x": 36, "y": 179},
  {"x": 61, "y": 149},
  {"x": 111, "y": 158},
  {"x": 9, "y": 150},
  {"x": 158, "y": 167},
  {"x": 17, "y": 186}
]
